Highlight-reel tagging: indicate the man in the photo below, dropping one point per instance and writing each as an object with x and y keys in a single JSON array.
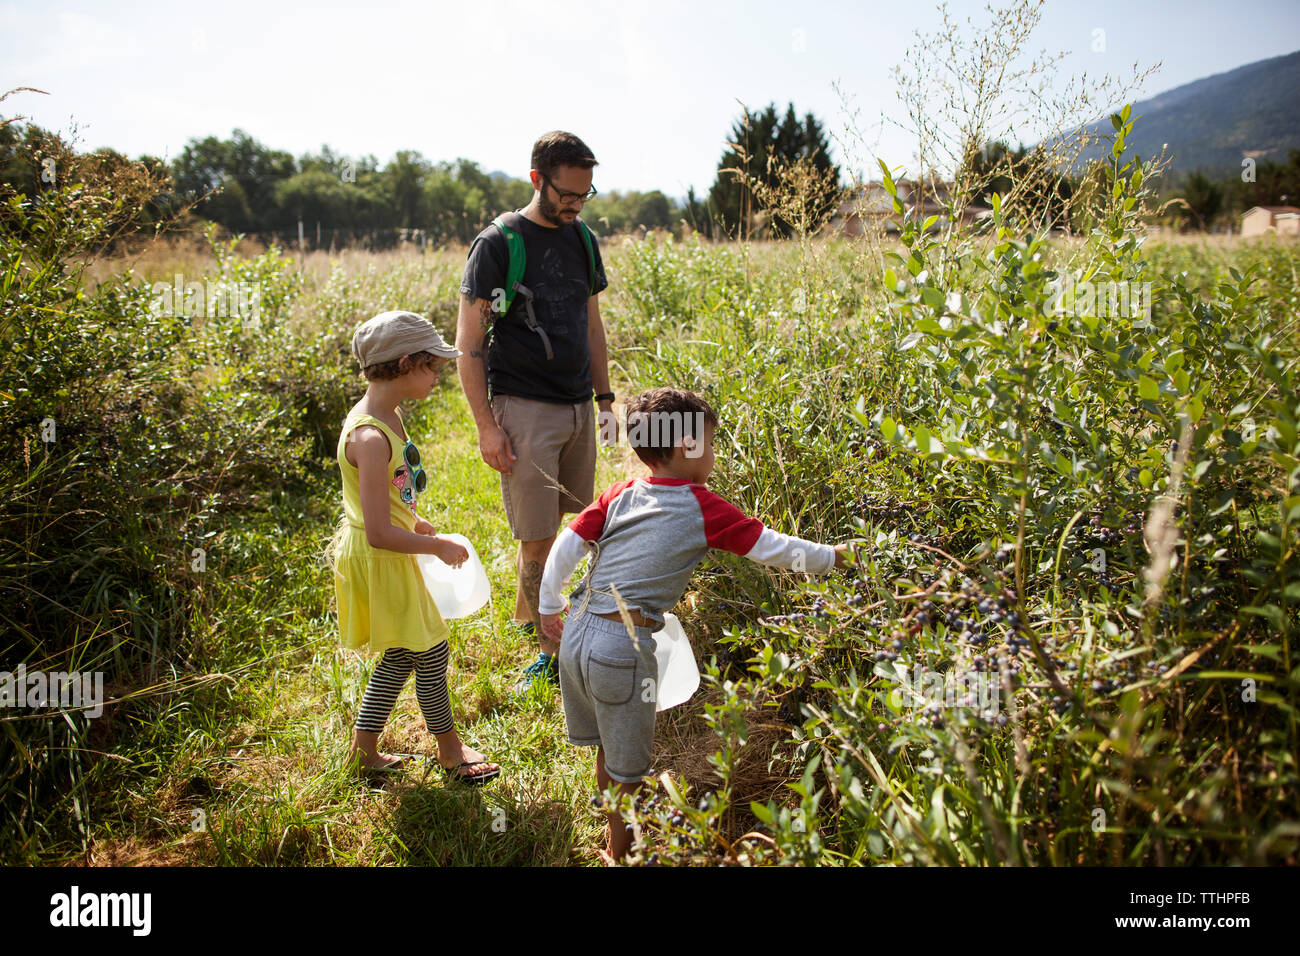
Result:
[{"x": 529, "y": 374}]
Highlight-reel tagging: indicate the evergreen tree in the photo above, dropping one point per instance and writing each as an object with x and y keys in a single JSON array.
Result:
[{"x": 759, "y": 145}]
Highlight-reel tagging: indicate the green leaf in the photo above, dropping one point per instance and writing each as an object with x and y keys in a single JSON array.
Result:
[
  {"x": 888, "y": 427},
  {"x": 932, "y": 297},
  {"x": 1271, "y": 612},
  {"x": 1148, "y": 389}
]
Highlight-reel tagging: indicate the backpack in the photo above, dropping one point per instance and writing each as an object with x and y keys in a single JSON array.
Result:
[{"x": 509, "y": 225}]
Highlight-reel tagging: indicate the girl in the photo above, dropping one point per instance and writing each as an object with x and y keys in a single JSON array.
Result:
[{"x": 383, "y": 604}]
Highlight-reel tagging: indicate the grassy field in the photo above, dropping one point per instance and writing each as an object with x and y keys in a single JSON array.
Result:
[{"x": 1094, "y": 512}]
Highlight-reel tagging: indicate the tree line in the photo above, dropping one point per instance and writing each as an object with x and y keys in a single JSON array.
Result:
[{"x": 247, "y": 187}]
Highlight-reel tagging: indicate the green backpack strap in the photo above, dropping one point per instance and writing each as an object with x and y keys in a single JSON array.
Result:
[
  {"x": 508, "y": 223},
  {"x": 591, "y": 256}
]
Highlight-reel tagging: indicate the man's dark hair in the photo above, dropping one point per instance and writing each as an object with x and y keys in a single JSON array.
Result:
[
  {"x": 657, "y": 420},
  {"x": 558, "y": 148}
]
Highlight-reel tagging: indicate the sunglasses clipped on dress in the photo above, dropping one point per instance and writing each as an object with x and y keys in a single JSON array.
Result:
[{"x": 419, "y": 478}]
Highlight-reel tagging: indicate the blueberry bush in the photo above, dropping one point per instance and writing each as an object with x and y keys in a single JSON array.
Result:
[{"x": 1073, "y": 469}]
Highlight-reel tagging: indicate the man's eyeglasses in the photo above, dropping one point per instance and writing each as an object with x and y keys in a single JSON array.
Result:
[{"x": 571, "y": 197}]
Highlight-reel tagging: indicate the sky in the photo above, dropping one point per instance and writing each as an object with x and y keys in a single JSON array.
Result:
[{"x": 652, "y": 87}]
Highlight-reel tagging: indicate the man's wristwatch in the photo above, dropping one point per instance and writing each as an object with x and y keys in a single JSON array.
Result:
[{"x": 604, "y": 397}]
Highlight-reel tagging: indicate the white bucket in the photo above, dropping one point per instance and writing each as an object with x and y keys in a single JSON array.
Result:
[
  {"x": 457, "y": 592},
  {"x": 679, "y": 677}
]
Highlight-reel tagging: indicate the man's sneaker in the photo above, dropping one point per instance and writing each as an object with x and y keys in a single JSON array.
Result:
[{"x": 546, "y": 666}]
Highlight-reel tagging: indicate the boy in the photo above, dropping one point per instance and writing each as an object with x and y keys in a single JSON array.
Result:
[{"x": 648, "y": 535}]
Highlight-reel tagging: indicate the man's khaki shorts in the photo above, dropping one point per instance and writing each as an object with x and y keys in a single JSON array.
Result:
[{"x": 554, "y": 445}]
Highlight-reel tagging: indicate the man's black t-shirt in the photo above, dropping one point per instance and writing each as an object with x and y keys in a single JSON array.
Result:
[{"x": 556, "y": 272}]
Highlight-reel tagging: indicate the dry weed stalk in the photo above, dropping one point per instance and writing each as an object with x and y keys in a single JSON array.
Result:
[{"x": 1161, "y": 531}]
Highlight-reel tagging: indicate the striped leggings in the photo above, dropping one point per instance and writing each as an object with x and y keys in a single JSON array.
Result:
[{"x": 390, "y": 677}]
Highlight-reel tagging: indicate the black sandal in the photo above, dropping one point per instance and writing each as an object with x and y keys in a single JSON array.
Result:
[{"x": 471, "y": 779}]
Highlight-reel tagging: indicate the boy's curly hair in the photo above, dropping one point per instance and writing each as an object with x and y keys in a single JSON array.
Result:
[
  {"x": 386, "y": 371},
  {"x": 658, "y": 419}
]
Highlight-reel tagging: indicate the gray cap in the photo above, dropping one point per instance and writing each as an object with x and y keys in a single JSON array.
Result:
[{"x": 390, "y": 335}]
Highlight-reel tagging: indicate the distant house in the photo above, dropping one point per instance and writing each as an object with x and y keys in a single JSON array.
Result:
[
  {"x": 873, "y": 207},
  {"x": 1261, "y": 220}
]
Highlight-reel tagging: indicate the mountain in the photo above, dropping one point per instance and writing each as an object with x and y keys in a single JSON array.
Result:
[{"x": 1212, "y": 123}]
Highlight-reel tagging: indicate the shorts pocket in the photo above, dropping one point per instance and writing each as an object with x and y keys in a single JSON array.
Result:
[{"x": 611, "y": 680}]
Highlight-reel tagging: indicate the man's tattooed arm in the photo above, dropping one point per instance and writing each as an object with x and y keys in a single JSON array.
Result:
[{"x": 472, "y": 326}]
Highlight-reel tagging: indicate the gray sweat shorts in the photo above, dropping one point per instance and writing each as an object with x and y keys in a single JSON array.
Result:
[{"x": 608, "y": 687}]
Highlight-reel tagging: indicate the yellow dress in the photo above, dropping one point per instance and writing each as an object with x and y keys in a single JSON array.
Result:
[{"x": 382, "y": 600}]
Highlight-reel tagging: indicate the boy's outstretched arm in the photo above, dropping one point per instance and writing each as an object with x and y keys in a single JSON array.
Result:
[
  {"x": 795, "y": 554},
  {"x": 728, "y": 528}
]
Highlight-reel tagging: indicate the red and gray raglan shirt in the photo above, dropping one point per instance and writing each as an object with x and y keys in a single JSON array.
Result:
[{"x": 648, "y": 534}]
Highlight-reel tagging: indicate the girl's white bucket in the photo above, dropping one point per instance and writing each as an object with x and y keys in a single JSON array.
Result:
[
  {"x": 458, "y": 592},
  {"x": 679, "y": 677}
]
